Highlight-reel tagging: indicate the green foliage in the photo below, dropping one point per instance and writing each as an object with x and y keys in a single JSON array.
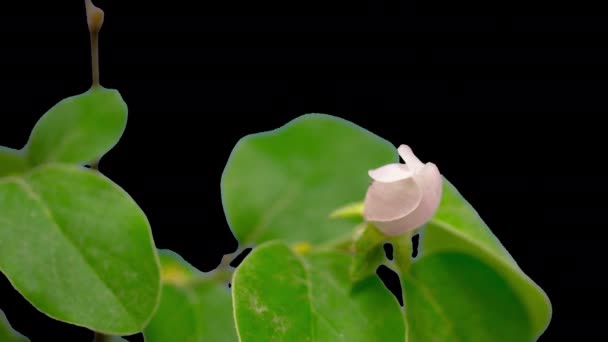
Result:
[
  {"x": 458, "y": 227},
  {"x": 78, "y": 248},
  {"x": 72, "y": 242},
  {"x": 285, "y": 183},
  {"x": 282, "y": 296},
  {"x": 195, "y": 307},
  {"x": 455, "y": 297},
  {"x": 7, "y": 333},
  {"x": 78, "y": 129},
  {"x": 464, "y": 286},
  {"x": 11, "y": 162}
]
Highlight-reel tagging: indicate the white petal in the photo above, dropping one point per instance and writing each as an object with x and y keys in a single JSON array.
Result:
[
  {"x": 430, "y": 182},
  {"x": 386, "y": 203},
  {"x": 395, "y": 213},
  {"x": 410, "y": 158},
  {"x": 390, "y": 173}
]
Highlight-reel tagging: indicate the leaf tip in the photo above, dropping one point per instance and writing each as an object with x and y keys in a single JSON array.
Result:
[{"x": 348, "y": 211}]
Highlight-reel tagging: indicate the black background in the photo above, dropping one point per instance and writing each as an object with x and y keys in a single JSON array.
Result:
[{"x": 505, "y": 97}]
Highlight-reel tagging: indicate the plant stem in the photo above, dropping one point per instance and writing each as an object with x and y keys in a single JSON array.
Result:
[
  {"x": 227, "y": 259},
  {"x": 402, "y": 251},
  {"x": 95, "y": 57},
  {"x": 95, "y": 18},
  {"x": 342, "y": 243},
  {"x": 99, "y": 337}
]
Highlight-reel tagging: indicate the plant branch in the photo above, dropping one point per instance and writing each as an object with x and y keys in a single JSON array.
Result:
[{"x": 95, "y": 18}]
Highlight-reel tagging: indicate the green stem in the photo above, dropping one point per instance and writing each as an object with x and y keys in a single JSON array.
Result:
[
  {"x": 342, "y": 243},
  {"x": 223, "y": 275},
  {"x": 402, "y": 251}
]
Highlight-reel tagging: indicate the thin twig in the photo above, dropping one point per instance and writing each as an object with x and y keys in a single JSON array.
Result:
[{"x": 95, "y": 18}]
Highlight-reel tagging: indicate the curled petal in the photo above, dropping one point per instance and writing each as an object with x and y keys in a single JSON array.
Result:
[
  {"x": 396, "y": 208},
  {"x": 390, "y": 173},
  {"x": 410, "y": 159},
  {"x": 386, "y": 204}
]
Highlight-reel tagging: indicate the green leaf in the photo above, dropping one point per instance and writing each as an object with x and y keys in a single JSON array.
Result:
[
  {"x": 11, "y": 162},
  {"x": 199, "y": 313},
  {"x": 458, "y": 227},
  {"x": 194, "y": 307},
  {"x": 455, "y": 297},
  {"x": 368, "y": 248},
  {"x": 7, "y": 333},
  {"x": 284, "y": 184},
  {"x": 281, "y": 296},
  {"x": 116, "y": 339},
  {"x": 176, "y": 270},
  {"x": 78, "y": 248},
  {"x": 78, "y": 129}
]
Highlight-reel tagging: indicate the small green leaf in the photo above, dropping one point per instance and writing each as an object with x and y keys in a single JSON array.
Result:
[
  {"x": 11, "y": 162},
  {"x": 194, "y": 307},
  {"x": 78, "y": 129},
  {"x": 458, "y": 227},
  {"x": 280, "y": 296},
  {"x": 454, "y": 297},
  {"x": 78, "y": 248},
  {"x": 176, "y": 318},
  {"x": 284, "y": 184},
  {"x": 199, "y": 313},
  {"x": 368, "y": 248},
  {"x": 7, "y": 333},
  {"x": 350, "y": 210},
  {"x": 175, "y": 270}
]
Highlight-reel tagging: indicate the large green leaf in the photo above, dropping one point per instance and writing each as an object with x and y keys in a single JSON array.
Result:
[
  {"x": 458, "y": 227},
  {"x": 285, "y": 183},
  {"x": 78, "y": 129},
  {"x": 11, "y": 162},
  {"x": 7, "y": 333},
  {"x": 281, "y": 296},
  {"x": 455, "y": 297},
  {"x": 78, "y": 248},
  {"x": 194, "y": 307}
]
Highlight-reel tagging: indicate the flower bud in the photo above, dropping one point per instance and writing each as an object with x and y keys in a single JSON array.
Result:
[{"x": 403, "y": 197}]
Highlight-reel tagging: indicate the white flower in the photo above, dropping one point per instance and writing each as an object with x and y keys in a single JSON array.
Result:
[{"x": 403, "y": 197}]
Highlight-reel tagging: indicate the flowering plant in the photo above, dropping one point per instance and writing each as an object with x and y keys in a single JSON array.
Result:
[{"x": 81, "y": 250}]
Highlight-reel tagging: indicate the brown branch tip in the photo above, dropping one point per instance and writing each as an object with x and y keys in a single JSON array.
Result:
[{"x": 95, "y": 16}]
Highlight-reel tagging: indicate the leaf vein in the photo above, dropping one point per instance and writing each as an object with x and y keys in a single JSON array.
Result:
[
  {"x": 309, "y": 294},
  {"x": 433, "y": 302},
  {"x": 29, "y": 190},
  {"x": 280, "y": 204}
]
